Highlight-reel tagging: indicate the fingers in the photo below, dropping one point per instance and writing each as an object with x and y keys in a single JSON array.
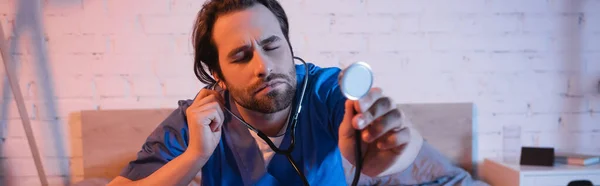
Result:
[
  {"x": 346, "y": 129},
  {"x": 208, "y": 104},
  {"x": 206, "y": 96},
  {"x": 372, "y": 106},
  {"x": 365, "y": 102},
  {"x": 393, "y": 139},
  {"x": 212, "y": 118},
  {"x": 392, "y": 120}
]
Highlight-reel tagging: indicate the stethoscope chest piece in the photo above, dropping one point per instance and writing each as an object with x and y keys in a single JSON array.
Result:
[{"x": 356, "y": 80}]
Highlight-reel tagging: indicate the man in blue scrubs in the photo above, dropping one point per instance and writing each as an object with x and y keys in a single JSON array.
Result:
[{"x": 242, "y": 49}]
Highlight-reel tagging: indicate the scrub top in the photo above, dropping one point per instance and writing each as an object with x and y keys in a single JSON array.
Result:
[{"x": 237, "y": 159}]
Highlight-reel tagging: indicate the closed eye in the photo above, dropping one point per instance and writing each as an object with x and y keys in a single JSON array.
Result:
[{"x": 270, "y": 48}]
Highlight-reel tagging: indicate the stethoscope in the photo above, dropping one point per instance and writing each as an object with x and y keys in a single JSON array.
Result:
[{"x": 288, "y": 152}]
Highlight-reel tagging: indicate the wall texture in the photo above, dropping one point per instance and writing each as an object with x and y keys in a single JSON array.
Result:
[{"x": 531, "y": 67}]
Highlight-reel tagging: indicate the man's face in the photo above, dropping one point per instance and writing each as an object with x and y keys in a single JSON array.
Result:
[{"x": 255, "y": 59}]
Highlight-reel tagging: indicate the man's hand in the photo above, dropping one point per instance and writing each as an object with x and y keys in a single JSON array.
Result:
[
  {"x": 383, "y": 134},
  {"x": 205, "y": 118}
]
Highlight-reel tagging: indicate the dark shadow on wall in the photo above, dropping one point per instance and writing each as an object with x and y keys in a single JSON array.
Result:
[{"x": 28, "y": 26}]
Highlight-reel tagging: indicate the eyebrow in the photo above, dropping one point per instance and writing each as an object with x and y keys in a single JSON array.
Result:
[{"x": 270, "y": 39}]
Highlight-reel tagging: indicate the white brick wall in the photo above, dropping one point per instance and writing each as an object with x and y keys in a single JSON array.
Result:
[{"x": 530, "y": 65}]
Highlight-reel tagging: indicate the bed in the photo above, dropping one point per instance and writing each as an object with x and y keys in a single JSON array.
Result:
[{"x": 111, "y": 138}]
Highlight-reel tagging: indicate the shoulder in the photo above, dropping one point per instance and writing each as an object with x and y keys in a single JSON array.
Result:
[
  {"x": 167, "y": 141},
  {"x": 322, "y": 81}
]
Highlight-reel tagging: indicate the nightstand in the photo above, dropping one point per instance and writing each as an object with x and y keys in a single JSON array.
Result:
[{"x": 499, "y": 173}]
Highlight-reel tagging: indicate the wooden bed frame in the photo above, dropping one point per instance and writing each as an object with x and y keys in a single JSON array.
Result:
[{"x": 112, "y": 138}]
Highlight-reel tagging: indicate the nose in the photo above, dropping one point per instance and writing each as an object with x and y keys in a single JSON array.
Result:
[{"x": 262, "y": 65}]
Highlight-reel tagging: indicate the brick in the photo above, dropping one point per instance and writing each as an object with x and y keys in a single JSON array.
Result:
[
  {"x": 558, "y": 104},
  {"x": 592, "y": 62},
  {"x": 533, "y": 6},
  {"x": 99, "y": 21},
  {"x": 492, "y": 124},
  {"x": 151, "y": 7},
  {"x": 573, "y": 141},
  {"x": 122, "y": 64},
  {"x": 298, "y": 42},
  {"x": 492, "y": 141},
  {"x": 145, "y": 86},
  {"x": 594, "y": 102},
  {"x": 552, "y": 84},
  {"x": 449, "y": 42},
  {"x": 395, "y": 6},
  {"x": 539, "y": 139},
  {"x": 183, "y": 44},
  {"x": 136, "y": 103},
  {"x": 470, "y": 6},
  {"x": 500, "y": 105},
  {"x": 19, "y": 167},
  {"x": 437, "y": 22},
  {"x": 142, "y": 44},
  {"x": 554, "y": 62},
  {"x": 554, "y": 23},
  {"x": 9, "y": 110},
  {"x": 185, "y": 86},
  {"x": 571, "y": 44},
  {"x": 56, "y": 166},
  {"x": 342, "y": 7},
  {"x": 186, "y": 7},
  {"x": 582, "y": 84},
  {"x": 432, "y": 62},
  {"x": 301, "y": 23},
  {"x": 373, "y": 24},
  {"x": 590, "y": 25},
  {"x": 590, "y": 43},
  {"x": 173, "y": 65},
  {"x": 504, "y": 22},
  {"x": 62, "y": 24},
  {"x": 579, "y": 122},
  {"x": 11, "y": 128},
  {"x": 61, "y": 7},
  {"x": 497, "y": 62},
  {"x": 512, "y": 42},
  {"x": 15, "y": 148},
  {"x": 78, "y": 43},
  {"x": 540, "y": 123},
  {"x": 66, "y": 86},
  {"x": 409, "y": 23},
  {"x": 167, "y": 24},
  {"x": 389, "y": 43},
  {"x": 71, "y": 64},
  {"x": 112, "y": 86},
  {"x": 478, "y": 84},
  {"x": 7, "y": 7},
  {"x": 56, "y": 109},
  {"x": 320, "y": 58},
  {"x": 20, "y": 44},
  {"x": 55, "y": 138},
  {"x": 334, "y": 42}
]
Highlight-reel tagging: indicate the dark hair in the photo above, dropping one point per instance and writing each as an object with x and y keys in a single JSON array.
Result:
[{"x": 206, "y": 58}]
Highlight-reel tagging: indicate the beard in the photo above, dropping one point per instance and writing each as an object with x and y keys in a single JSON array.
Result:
[{"x": 274, "y": 101}]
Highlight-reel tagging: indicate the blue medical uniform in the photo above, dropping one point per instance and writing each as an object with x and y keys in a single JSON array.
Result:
[{"x": 237, "y": 159}]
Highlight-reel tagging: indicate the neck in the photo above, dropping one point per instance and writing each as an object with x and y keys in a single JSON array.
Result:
[{"x": 270, "y": 124}]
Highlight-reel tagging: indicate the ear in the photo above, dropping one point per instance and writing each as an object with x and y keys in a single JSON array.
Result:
[{"x": 220, "y": 82}]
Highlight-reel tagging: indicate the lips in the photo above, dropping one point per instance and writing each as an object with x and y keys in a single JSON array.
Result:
[{"x": 268, "y": 84}]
